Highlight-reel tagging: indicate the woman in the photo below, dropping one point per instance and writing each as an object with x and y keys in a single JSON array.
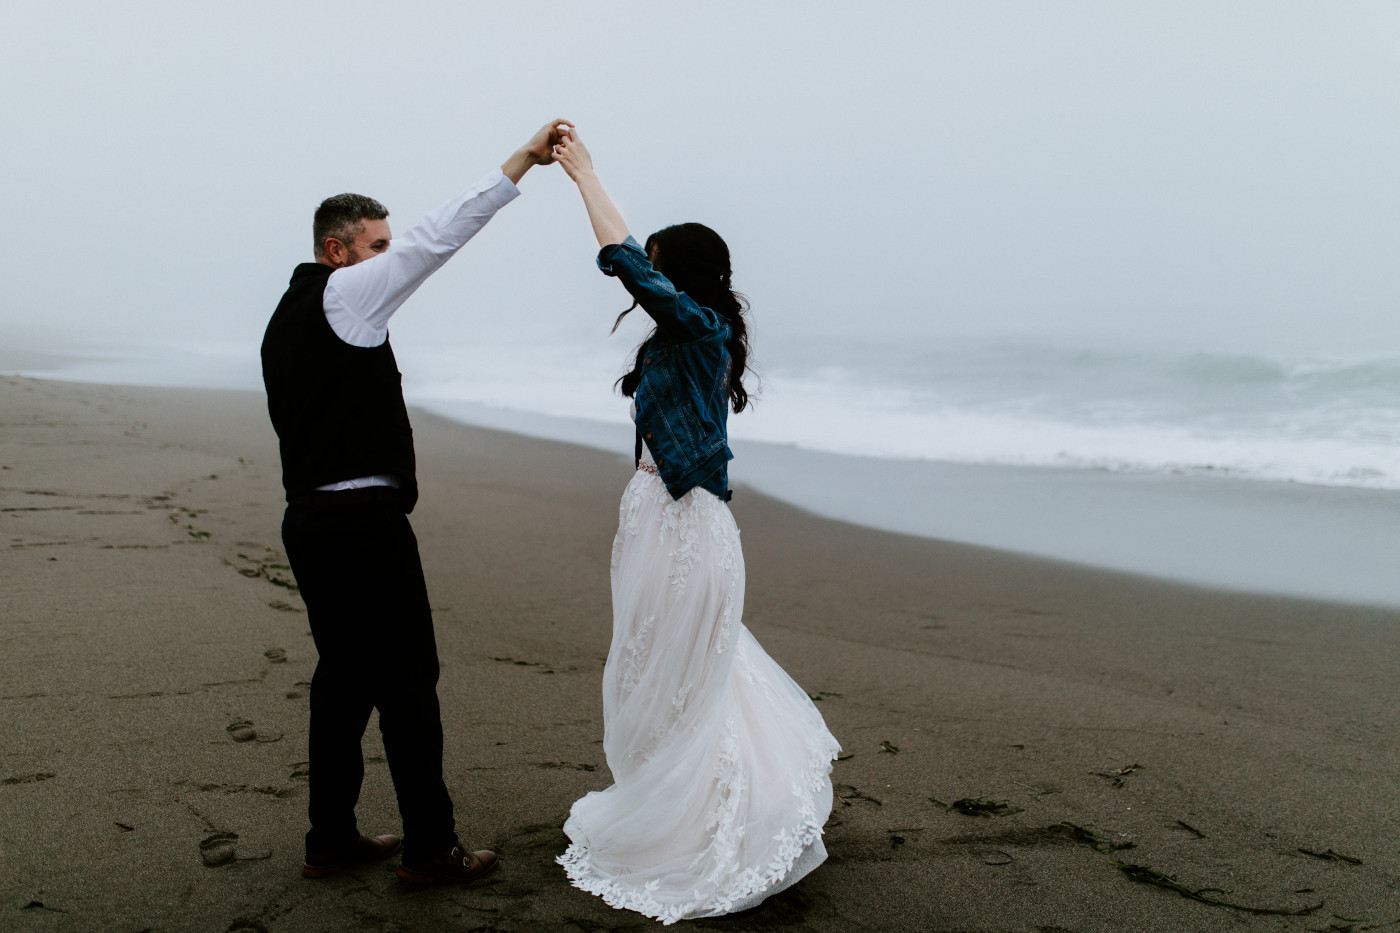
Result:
[{"x": 722, "y": 764}]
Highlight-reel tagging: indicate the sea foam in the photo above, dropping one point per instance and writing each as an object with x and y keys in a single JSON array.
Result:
[{"x": 1311, "y": 421}]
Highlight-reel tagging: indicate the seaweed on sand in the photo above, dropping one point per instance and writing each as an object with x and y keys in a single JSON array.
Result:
[
  {"x": 978, "y": 806},
  {"x": 1118, "y": 774},
  {"x": 1144, "y": 875},
  {"x": 1331, "y": 856},
  {"x": 1191, "y": 829}
]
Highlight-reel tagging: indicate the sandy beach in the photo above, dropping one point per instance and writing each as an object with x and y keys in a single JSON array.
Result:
[{"x": 156, "y": 659}]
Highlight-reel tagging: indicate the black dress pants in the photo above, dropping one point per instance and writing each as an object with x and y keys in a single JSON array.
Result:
[{"x": 358, "y": 569}]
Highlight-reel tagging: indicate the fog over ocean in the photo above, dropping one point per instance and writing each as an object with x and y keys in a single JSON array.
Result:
[{"x": 1330, "y": 422}]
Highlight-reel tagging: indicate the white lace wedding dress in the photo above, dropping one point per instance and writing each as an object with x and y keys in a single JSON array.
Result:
[{"x": 722, "y": 763}]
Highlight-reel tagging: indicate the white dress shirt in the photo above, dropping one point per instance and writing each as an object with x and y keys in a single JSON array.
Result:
[{"x": 360, "y": 299}]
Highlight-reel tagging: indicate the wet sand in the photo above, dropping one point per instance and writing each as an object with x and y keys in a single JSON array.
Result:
[{"x": 153, "y": 703}]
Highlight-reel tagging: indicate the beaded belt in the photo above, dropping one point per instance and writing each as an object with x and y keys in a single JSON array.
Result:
[
  {"x": 357, "y": 496},
  {"x": 646, "y": 467}
]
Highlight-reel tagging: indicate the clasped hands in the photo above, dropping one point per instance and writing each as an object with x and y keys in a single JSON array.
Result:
[{"x": 556, "y": 141}]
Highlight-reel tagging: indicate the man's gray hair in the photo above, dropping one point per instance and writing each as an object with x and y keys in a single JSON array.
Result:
[{"x": 342, "y": 217}]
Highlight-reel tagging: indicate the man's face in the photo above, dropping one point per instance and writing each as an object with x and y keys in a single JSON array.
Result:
[{"x": 371, "y": 241}]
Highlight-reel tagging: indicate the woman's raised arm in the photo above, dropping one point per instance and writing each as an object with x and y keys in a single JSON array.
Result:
[{"x": 608, "y": 225}]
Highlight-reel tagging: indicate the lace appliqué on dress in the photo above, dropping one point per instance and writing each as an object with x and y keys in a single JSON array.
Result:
[
  {"x": 634, "y": 659},
  {"x": 739, "y": 887}
]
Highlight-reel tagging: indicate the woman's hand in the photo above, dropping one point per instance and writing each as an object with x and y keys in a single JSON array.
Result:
[
  {"x": 572, "y": 154},
  {"x": 607, "y": 221}
]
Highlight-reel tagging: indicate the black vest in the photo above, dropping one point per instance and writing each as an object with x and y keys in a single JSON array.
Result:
[{"x": 338, "y": 409}]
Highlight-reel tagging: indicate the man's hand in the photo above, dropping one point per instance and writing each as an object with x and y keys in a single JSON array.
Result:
[
  {"x": 539, "y": 150},
  {"x": 541, "y": 146}
]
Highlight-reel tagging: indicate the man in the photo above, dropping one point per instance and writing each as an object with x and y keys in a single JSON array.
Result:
[{"x": 333, "y": 390}]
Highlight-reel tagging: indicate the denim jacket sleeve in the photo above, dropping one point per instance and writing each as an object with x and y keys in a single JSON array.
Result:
[{"x": 672, "y": 310}]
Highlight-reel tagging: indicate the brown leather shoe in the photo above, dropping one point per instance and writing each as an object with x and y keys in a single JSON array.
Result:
[
  {"x": 364, "y": 850},
  {"x": 456, "y": 867}
]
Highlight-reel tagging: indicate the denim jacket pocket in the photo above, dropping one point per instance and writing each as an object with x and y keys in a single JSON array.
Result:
[{"x": 658, "y": 378}]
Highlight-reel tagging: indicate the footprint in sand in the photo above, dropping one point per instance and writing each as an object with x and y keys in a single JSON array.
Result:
[
  {"x": 40, "y": 905},
  {"x": 221, "y": 849},
  {"x": 218, "y": 849},
  {"x": 29, "y": 778},
  {"x": 566, "y": 766},
  {"x": 244, "y": 731},
  {"x": 242, "y": 925},
  {"x": 847, "y": 793}
]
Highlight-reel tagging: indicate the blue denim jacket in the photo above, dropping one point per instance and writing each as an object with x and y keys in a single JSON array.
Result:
[{"x": 683, "y": 397}]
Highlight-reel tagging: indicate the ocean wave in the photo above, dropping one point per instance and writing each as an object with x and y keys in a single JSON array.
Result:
[
  {"x": 835, "y": 415},
  {"x": 1330, "y": 422},
  {"x": 1310, "y": 421}
]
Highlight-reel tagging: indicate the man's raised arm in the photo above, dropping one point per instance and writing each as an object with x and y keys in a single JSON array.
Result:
[{"x": 360, "y": 299}]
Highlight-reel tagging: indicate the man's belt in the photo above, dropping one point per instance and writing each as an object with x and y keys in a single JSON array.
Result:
[{"x": 361, "y": 496}]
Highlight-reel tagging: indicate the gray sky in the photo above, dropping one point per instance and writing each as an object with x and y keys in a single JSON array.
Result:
[{"x": 1216, "y": 176}]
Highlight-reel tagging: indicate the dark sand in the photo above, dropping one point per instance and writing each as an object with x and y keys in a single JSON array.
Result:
[{"x": 153, "y": 702}]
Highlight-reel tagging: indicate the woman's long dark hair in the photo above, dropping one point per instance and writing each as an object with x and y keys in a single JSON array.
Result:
[{"x": 696, "y": 260}]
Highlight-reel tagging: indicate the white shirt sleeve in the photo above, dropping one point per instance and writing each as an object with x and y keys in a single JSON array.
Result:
[{"x": 360, "y": 299}]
